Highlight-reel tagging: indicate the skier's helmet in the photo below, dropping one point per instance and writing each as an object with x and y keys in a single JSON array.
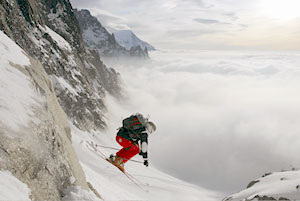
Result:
[{"x": 150, "y": 126}]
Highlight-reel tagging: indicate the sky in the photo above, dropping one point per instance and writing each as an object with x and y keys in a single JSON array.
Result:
[{"x": 204, "y": 24}]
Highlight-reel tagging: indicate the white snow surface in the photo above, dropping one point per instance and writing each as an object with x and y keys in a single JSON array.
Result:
[
  {"x": 128, "y": 39},
  {"x": 17, "y": 96},
  {"x": 277, "y": 185},
  {"x": 61, "y": 42},
  {"x": 77, "y": 193},
  {"x": 11, "y": 188},
  {"x": 11, "y": 52},
  {"x": 112, "y": 184}
]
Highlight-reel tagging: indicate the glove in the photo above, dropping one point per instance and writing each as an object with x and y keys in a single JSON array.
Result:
[{"x": 146, "y": 163}]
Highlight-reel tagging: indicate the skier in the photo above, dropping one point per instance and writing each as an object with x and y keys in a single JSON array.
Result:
[{"x": 133, "y": 137}]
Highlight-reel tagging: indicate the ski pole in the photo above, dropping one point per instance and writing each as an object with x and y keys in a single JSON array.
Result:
[
  {"x": 130, "y": 160},
  {"x": 97, "y": 145},
  {"x": 117, "y": 156}
]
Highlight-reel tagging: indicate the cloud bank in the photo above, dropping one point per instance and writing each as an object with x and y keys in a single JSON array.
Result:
[
  {"x": 223, "y": 118},
  {"x": 210, "y": 21}
]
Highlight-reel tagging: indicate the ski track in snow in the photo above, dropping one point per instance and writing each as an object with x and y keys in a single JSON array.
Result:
[{"x": 111, "y": 184}]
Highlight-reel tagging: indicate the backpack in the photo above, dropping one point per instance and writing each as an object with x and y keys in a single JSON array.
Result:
[{"x": 134, "y": 123}]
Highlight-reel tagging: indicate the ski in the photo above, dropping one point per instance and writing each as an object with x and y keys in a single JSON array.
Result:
[
  {"x": 114, "y": 165},
  {"x": 92, "y": 148}
]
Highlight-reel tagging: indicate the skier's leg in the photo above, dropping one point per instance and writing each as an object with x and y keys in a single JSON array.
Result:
[
  {"x": 129, "y": 149},
  {"x": 130, "y": 152}
]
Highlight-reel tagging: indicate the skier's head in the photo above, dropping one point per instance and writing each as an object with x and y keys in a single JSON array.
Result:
[{"x": 150, "y": 127}]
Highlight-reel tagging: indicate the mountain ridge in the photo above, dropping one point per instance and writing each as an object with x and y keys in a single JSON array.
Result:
[
  {"x": 96, "y": 36},
  {"x": 128, "y": 39}
]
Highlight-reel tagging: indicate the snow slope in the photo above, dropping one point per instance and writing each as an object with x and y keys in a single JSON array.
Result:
[
  {"x": 111, "y": 184},
  {"x": 11, "y": 188},
  {"x": 11, "y": 52},
  {"x": 276, "y": 185},
  {"x": 12, "y": 80},
  {"x": 128, "y": 39}
]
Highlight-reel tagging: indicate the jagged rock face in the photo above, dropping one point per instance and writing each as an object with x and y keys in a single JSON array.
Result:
[
  {"x": 60, "y": 18},
  {"x": 49, "y": 31},
  {"x": 135, "y": 51},
  {"x": 96, "y": 36}
]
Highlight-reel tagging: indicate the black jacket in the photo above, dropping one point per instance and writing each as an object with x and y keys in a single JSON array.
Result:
[{"x": 139, "y": 137}]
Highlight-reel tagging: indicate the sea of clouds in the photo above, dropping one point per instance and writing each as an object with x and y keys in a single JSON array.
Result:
[{"x": 223, "y": 118}]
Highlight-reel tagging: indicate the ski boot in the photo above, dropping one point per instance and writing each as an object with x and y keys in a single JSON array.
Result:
[{"x": 117, "y": 161}]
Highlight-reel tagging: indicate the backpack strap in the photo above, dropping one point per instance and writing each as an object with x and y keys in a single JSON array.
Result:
[{"x": 134, "y": 121}]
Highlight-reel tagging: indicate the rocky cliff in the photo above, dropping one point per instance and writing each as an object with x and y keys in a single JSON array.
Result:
[
  {"x": 35, "y": 137},
  {"x": 96, "y": 36},
  {"x": 49, "y": 32}
]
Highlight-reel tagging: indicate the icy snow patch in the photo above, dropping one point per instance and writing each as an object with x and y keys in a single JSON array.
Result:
[
  {"x": 11, "y": 188},
  {"x": 35, "y": 36},
  {"x": 62, "y": 84},
  {"x": 11, "y": 52},
  {"x": 77, "y": 193},
  {"x": 61, "y": 42},
  {"x": 17, "y": 95}
]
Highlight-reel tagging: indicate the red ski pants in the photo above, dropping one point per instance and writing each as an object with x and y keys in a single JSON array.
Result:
[{"x": 129, "y": 149}]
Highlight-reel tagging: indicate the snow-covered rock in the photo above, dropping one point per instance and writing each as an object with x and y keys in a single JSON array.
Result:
[
  {"x": 276, "y": 186},
  {"x": 35, "y": 138},
  {"x": 128, "y": 39},
  {"x": 96, "y": 36}
]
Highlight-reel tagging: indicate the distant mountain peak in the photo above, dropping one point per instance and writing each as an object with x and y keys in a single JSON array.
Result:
[
  {"x": 96, "y": 36},
  {"x": 128, "y": 39}
]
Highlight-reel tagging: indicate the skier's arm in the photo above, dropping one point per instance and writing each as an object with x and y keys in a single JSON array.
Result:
[{"x": 144, "y": 145}]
